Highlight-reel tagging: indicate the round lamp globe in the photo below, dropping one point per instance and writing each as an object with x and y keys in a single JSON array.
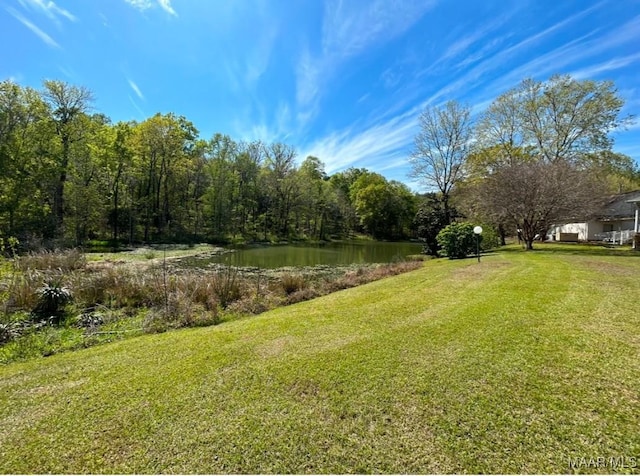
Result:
[{"x": 477, "y": 230}]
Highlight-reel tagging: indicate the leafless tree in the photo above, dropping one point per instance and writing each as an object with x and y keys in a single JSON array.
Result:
[
  {"x": 441, "y": 148},
  {"x": 532, "y": 196}
]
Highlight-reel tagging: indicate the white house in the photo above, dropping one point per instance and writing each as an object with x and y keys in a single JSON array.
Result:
[{"x": 617, "y": 222}]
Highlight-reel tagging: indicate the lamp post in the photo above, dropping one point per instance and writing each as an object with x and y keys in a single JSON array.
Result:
[{"x": 478, "y": 231}]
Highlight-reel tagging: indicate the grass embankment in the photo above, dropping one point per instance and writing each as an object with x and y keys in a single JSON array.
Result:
[{"x": 516, "y": 364}]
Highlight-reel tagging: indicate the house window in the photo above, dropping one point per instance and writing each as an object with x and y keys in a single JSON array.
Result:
[{"x": 607, "y": 227}]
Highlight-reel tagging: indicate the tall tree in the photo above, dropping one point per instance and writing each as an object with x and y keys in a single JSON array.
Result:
[
  {"x": 68, "y": 103},
  {"x": 314, "y": 189},
  {"x": 441, "y": 148},
  {"x": 428, "y": 221},
  {"x": 282, "y": 184},
  {"x": 538, "y": 146}
]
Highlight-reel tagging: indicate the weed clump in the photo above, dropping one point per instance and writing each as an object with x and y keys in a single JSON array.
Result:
[{"x": 292, "y": 283}]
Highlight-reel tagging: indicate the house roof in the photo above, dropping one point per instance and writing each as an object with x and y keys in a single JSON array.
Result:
[{"x": 621, "y": 206}]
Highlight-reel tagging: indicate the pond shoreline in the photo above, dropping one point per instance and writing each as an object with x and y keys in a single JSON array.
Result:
[{"x": 112, "y": 299}]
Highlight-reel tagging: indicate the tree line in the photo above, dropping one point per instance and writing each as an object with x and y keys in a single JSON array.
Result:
[
  {"x": 69, "y": 175},
  {"x": 540, "y": 153}
]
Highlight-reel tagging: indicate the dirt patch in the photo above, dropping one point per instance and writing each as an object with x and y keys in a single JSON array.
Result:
[
  {"x": 477, "y": 270},
  {"x": 273, "y": 348},
  {"x": 53, "y": 388},
  {"x": 304, "y": 388}
]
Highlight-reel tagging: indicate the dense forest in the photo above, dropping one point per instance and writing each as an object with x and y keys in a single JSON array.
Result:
[{"x": 68, "y": 174}]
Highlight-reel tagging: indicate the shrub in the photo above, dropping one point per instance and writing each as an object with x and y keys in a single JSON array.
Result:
[
  {"x": 9, "y": 331},
  {"x": 302, "y": 295},
  {"x": 225, "y": 286},
  {"x": 52, "y": 299},
  {"x": 457, "y": 240}
]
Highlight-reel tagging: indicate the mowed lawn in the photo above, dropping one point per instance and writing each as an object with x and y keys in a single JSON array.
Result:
[{"x": 520, "y": 363}]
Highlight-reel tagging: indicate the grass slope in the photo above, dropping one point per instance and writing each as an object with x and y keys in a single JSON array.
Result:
[{"x": 516, "y": 364}]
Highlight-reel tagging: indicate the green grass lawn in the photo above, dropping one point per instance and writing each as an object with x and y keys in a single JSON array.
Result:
[{"x": 520, "y": 363}]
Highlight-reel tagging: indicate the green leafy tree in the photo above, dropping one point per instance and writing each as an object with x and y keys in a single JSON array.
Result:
[
  {"x": 314, "y": 197},
  {"x": 429, "y": 220},
  {"x": 68, "y": 105},
  {"x": 385, "y": 209}
]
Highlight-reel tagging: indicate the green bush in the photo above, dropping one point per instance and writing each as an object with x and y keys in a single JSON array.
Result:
[
  {"x": 490, "y": 239},
  {"x": 457, "y": 240},
  {"x": 52, "y": 299}
]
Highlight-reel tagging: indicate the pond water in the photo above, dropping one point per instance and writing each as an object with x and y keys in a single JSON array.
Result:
[{"x": 344, "y": 253}]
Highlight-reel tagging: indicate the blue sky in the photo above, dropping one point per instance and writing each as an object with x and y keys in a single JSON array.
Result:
[{"x": 343, "y": 80}]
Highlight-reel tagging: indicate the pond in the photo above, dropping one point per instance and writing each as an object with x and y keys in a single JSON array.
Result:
[{"x": 343, "y": 253}]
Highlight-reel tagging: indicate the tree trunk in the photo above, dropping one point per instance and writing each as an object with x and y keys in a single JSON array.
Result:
[{"x": 503, "y": 235}]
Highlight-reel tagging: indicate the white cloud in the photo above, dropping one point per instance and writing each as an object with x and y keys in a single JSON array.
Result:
[
  {"x": 69, "y": 73},
  {"x": 461, "y": 46},
  {"x": 542, "y": 65},
  {"x": 308, "y": 74},
  {"x": 136, "y": 89},
  {"x": 143, "y": 5},
  {"x": 615, "y": 63},
  {"x": 142, "y": 114},
  {"x": 49, "y": 8},
  {"x": 166, "y": 6},
  {"x": 257, "y": 61},
  {"x": 37, "y": 31},
  {"x": 349, "y": 29},
  {"x": 379, "y": 146}
]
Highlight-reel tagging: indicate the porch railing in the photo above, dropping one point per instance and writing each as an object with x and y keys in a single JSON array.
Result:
[{"x": 616, "y": 237}]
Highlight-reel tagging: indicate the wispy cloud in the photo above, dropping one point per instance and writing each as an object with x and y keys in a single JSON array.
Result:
[
  {"x": 347, "y": 31},
  {"x": 69, "y": 73},
  {"x": 378, "y": 146},
  {"x": 166, "y": 6},
  {"x": 462, "y": 46},
  {"x": 143, "y": 5},
  {"x": 137, "y": 108},
  {"x": 541, "y": 65},
  {"x": 385, "y": 142},
  {"x": 136, "y": 89},
  {"x": 588, "y": 46},
  {"x": 37, "y": 31},
  {"x": 264, "y": 125},
  {"x": 615, "y": 63},
  {"x": 308, "y": 72},
  {"x": 257, "y": 61},
  {"x": 49, "y": 8}
]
